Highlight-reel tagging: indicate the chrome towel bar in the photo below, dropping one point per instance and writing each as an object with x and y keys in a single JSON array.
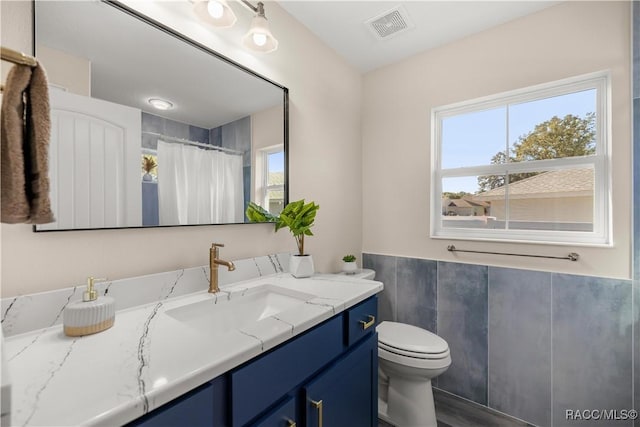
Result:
[{"x": 571, "y": 257}]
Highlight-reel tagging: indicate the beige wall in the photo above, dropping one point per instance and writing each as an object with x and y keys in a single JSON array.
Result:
[
  {"x": 562, "y": 41},
  {"x": 325, "y": 96},
  {"x": 266, "y": 131},
  {"x": 67, "y": 71}
]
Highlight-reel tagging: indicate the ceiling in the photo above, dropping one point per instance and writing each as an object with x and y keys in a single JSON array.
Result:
[
  {"x": 132, "y": 62},
  {"x": 340, "y": 24}
]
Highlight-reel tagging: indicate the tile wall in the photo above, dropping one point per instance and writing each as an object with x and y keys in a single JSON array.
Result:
[
  {"x": 636, "y": 197},
  {"x": 527, "y": 343},
  {"x": 234, "y": 135}
]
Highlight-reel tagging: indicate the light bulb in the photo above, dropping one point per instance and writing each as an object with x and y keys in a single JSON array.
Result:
[
  {"x": 215, "y": 8},
  {"x": 160, "y": 104},
  {"x": 259, "y": 39}
]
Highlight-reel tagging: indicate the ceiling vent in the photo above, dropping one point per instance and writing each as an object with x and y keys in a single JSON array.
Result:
[{"x": 390, "y": 23}]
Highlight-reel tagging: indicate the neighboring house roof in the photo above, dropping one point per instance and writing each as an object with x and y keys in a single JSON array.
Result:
[
  {"x": 463, "y": 203},
  {"x": 477, "y": 203},
  {"x": 561, "y": 183},
  {"x": 458, "y": 203}
]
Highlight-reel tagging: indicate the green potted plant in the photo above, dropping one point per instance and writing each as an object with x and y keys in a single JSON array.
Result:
[
  {"x": 299, "y": 217},
  {"x": 349, "y": 265}
]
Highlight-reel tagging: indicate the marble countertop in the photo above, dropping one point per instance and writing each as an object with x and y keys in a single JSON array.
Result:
[{"x": 149, "y": 358}]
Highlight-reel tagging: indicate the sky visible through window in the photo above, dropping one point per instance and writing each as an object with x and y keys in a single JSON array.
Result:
[
  {"x": 276, "y": 162},
  {"x": 472, "y": 139}
]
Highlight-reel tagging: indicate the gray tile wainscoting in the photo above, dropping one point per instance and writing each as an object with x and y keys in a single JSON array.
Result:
[
  {"x": 636, "y": 200},
  {"x": 385, "y": 268},
  {"x": 417, "y": 277},
  {"x": 520, "y": 330},
  {"x": 462, "y": 322},
  {"x": 592, "y": 340},
  {"x": 529, "y": 344}
]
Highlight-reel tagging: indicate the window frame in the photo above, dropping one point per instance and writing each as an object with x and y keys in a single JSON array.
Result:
[
  {"x": 600, "y": 161},
  {"x": 263, "y": 178}
]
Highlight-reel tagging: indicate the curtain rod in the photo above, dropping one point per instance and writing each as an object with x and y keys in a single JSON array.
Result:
[
  {"x": 197, "y": 144},
  {"x": 571, "y": 257}
]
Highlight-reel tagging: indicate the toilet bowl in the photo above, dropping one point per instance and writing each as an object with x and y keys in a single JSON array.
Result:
[{"x": 409, "y": 357}]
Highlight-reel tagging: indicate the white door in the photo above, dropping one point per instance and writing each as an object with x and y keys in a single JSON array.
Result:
[{"x": 94, "y": 163}]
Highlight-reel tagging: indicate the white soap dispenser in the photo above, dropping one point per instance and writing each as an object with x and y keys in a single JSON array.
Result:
[{"x": 91, "y": 315}]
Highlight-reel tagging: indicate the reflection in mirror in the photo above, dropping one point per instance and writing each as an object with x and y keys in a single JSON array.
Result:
[{"x": 150, "y": 128}]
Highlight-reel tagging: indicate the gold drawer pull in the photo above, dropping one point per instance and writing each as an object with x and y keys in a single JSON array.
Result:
[
  {"x": 371, "y": 322},
  {"x": 291, "y": 423},
  {"x": 318, "y": 406}
]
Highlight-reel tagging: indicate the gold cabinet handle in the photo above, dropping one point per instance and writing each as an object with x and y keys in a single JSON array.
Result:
[
  {"x": 369, "y": 323},
  {"x": 291, "y": 423},
  {"x": 318, "y": 406}
]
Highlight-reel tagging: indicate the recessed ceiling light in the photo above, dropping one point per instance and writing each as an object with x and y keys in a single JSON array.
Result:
[{"x": 160, "y": 104}]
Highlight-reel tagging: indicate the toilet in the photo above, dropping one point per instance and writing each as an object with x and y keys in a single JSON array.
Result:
[{"x": 409, "y": 358}]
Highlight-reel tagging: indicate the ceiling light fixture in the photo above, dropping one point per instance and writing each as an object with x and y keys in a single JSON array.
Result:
[
  {"x": 215, "y": 12},
  {"x": 218, "y": 13},
  {"x": 160, "y": 104},
  {"x": 259, "y": 37}
]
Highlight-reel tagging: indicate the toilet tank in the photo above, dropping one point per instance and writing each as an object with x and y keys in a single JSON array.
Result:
[{"x": 363, "y": 273}]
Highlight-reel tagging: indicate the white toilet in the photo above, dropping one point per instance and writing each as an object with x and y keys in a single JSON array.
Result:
[{"x": 409, "y": 358}]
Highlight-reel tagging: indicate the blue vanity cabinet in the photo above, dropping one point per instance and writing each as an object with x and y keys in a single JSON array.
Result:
[
  {"x": 325, "y": 377},
  {"x": 194, "y": 409},
  {"x": 346, "y": 395},
  {"x": 285, "y": 414}
]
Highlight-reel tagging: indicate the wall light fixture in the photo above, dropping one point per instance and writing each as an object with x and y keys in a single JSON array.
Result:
[{"x": 219, "y": 14}]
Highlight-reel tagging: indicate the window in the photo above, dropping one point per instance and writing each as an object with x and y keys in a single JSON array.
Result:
[
  {"x": 271, "y": 179},
  {"x": 530, "y": 165}
]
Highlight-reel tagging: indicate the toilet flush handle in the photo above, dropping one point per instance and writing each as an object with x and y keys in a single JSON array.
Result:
[{"x": 368, "y": 323}]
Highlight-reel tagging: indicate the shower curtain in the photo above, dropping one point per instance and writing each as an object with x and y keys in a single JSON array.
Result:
[{"x": 199, "y": 186}]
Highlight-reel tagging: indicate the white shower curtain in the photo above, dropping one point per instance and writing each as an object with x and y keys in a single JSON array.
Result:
[{"x": 199, "y": 186}]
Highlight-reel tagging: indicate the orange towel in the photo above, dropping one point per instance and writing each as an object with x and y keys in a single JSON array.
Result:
[{"x": 25, "y": 133}]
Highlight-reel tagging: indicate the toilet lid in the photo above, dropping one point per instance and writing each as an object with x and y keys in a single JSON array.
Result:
[{"x": 410, "y": 339}]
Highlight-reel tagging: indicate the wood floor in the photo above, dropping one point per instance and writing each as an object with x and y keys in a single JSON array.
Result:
[{"x": 453, "y": 411}]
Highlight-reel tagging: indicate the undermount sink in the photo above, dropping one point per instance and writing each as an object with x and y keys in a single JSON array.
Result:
[{"x": 243, "y": 308}]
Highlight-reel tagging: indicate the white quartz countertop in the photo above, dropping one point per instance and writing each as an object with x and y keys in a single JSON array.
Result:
[{"x": 149, "y": 358}]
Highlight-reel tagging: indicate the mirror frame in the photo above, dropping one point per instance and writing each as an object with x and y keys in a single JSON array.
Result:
[{"x": 190, "y": 42}]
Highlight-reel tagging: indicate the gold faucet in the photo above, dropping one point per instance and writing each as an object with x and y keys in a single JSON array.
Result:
[{"x": 214, "y": 262}]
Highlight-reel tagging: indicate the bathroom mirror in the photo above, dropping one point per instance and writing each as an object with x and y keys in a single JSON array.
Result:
[{"x": 150, "y": 128}]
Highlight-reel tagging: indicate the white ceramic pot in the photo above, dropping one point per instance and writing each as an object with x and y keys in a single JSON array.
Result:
[
  {"x": 301, "y": 266},
  {"x": 349, "y": 267}
]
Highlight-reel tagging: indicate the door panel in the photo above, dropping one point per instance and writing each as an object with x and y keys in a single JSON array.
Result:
[
  {"x": 348, "y": 390},
  {"x": 94, "y": 162}
]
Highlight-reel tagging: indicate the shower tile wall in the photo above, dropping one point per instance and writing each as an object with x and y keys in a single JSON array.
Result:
[
  {"x": 157, "y": 124},
  {"x": 529, "y": 344}
]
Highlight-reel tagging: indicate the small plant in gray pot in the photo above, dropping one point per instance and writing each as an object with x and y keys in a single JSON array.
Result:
[
  {"x": 349, "y": 265},
  {"x": 299, "y": 217}
]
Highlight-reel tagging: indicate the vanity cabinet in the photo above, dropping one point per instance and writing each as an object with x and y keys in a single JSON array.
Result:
[
  {"x": 326, "y": 376},
  {"x": 347, "y": 393}
]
